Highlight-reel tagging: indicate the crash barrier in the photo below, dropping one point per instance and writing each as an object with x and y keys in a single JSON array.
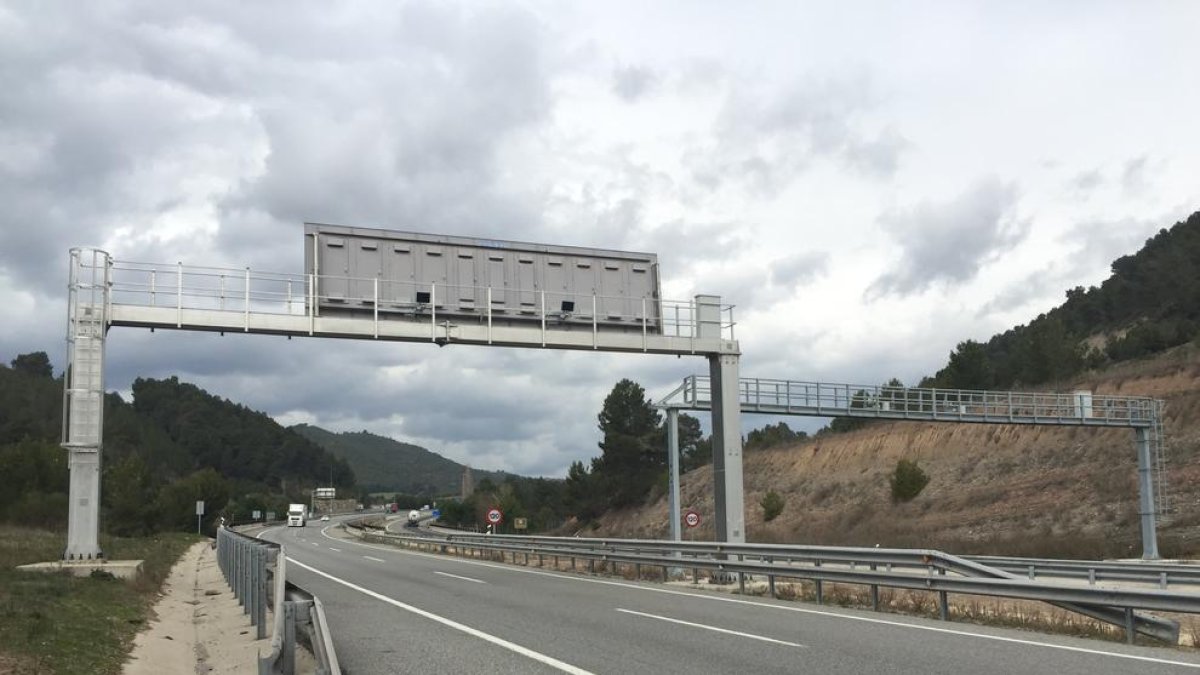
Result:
[
  {"x": 912, "y": 569},
  {"x": 256, "y": 570}
]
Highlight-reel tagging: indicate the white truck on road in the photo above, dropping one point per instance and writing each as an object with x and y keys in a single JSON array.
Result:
[{"x": 296, "y": 515}]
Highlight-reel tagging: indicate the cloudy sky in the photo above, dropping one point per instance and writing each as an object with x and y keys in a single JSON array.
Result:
[{"x": 869, "y": 183}]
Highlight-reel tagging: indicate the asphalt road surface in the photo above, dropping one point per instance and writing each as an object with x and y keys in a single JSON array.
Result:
[{"x": 395, "y": 611}]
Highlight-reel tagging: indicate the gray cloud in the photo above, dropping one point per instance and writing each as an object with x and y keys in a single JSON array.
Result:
[
  {"x": 1133, "y": 174},
  {"x": 1086, "y": 181},
  {"x": 799, "y": 269},
  {"x": 765, "y": 142},
  {"x": 681, "y": 244},
  {"x": 948, "y": 242},
  {"x": 631, "y": 83},
  {"x": 1094, "y": 244}
]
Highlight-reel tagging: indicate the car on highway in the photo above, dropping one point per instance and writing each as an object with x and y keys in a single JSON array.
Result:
[{"x": 324, "y": 517}]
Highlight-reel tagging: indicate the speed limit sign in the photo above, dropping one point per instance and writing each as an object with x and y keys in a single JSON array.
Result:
[
  {"x": 691, "y": 518},
  {"x": 494, "y": 516}
]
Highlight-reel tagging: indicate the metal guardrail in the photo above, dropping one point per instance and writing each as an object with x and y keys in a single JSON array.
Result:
[
  {"x": 913, "y": 569},
  {"x": 246, "y": 562},
  {"x": 256, "y": 570},
  {"x": 1162, "y": 575}
]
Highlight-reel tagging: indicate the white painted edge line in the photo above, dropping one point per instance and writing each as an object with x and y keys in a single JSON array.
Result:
[
  {"x": 368, "y": 557},
  {"x": 712, "y": 628},
  {"x": 455, "y": 576},
  {"x": 511, "y": 646},
  {"x": 783, "y": 608},
  {"x": 335, "y": 549}
]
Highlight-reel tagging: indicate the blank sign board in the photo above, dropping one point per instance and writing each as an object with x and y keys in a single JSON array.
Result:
[{"x": 412, "y": 275}]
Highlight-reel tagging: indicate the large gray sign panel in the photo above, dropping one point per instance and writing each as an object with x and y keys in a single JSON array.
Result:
[{"x": 409, "y": 274}]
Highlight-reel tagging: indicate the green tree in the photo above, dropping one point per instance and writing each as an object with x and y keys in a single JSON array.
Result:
[
  {"x": 860, "y": 399},
  {"x": 632, "y": 456},
  {"x": 907, "y": 480},
  {"x": 970, "y": 367},
  {"x": 36, "y": 364},
  {"x": 772, "y": 435},
  {"x": 129, "y": 493},
  {"x": 772, "y": 505},
  {"x": 176, "y": 502}
]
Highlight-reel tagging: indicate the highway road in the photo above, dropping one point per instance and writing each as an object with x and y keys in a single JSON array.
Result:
[{"x": 395, "y": 611}]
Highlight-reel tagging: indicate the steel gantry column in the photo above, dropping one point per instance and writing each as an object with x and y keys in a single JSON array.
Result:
[
  {"x": 1146, "y": 503},
  {"x": 673, "y": 460},
  {"x": 728, "y": 492},
  {"x": 83, "y": 398}
]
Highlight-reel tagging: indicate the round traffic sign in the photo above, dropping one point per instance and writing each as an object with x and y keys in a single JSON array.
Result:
[
  {"x": 494, "y": 516},
  {"x": 691, "y": 518}
]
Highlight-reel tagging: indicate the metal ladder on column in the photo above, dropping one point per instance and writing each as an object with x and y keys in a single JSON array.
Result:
[{"x": 83, "y": 407}]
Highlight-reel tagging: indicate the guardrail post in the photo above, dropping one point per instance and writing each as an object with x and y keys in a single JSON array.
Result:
[
  {"x": 820, "y": 591},
  {"x": 943, "y": 606},
  {"x": 771, "y": 584},
  {"x": 254, "y": 582},
  {"x": 261, "y": 609},
  {"x": 289, "y": 638},
  {"x": 1130, "y": 631},
  {"x": 875, "y": 597}
]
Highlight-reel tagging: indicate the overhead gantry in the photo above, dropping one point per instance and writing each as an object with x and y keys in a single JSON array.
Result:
[
  {"x": 816, "y": 399},
  {"x": 401, "y": 287}
]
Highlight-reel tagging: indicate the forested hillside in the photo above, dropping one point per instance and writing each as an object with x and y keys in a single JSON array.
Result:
[
  {"x": 386, "y": 465},
  {"x": 174, "y": 445},
  {"x": 1149, "y": 304}
]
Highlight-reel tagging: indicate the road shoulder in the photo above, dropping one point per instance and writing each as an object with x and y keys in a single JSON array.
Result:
[{"x": 198, "y": 627}]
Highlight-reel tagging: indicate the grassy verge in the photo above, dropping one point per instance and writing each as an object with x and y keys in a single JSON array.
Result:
[{"x": 57, "y": 623}]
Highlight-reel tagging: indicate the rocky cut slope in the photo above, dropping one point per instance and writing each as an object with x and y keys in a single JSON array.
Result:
[{"x": 993, "y": 488}]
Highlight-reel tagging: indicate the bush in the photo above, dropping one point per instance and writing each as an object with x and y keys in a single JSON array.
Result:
[
  {"x": 772, "y": 505},
  {"x": 907, "y": 480}
]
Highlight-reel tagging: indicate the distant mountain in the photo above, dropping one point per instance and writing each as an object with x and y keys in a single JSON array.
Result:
[
  {"x": 173, "y": 445},
  {"x": 384, "y": 465}
]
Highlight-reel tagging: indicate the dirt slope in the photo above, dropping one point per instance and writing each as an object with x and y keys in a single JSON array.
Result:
[{"x": 993, "y": 488}]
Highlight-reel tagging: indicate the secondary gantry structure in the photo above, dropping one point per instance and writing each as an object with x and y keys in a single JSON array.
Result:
[{"x": 1143, "y": 415}]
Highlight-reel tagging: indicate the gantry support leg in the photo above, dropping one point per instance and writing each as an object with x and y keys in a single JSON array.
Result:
[
  {"x": 673, "y": 460},
  {"x": 1146, "y": 504},
  {"x": 728, "y": 494},
  {"x": 83, "y": 398}
]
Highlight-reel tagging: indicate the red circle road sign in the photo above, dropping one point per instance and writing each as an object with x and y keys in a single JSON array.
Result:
[
  {"x": 691, "y": 518},
  {"x": 494, "y": 516}
]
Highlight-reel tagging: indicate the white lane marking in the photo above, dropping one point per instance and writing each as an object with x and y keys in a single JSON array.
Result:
[
  {"x": 511, "y": 646},
  {"x": 712, "y": 628},
  {"x": 374, "y": 558},
  {"x": 314, "y": 543},
  {"x": 335, "y": 549},
  {"x": 784, "y": 608},
  {"x": 447, "y": 574}
]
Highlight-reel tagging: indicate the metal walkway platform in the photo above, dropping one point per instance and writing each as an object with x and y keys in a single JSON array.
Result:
[{"x": 818, "y": 399}]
